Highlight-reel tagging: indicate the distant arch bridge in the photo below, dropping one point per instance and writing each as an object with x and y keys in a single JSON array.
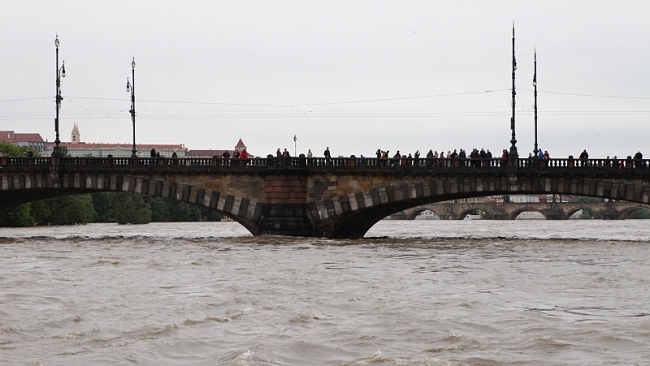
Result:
[{"x": 511, "y": 210}]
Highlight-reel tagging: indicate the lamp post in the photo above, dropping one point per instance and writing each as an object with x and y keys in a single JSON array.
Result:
[
  {"x": 513, "y": 140},
  {"x": 130, "y": 87},
  {"x": 60, "y": 73},
  {"x": 535, "y": 87},
  {"x": 294, "y": 145}
]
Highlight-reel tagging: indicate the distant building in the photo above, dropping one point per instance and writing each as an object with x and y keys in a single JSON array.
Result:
[
  {"x": 240, "y": 146},
  {"x": 219, "y": 153},
  {"x": 33, "y": 140},
  {"x": 77, "y": 148},
  {"x": 75, "y": 137}
]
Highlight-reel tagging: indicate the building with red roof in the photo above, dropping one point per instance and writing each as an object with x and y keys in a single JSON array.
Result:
[
  {"x": 33, "y": 140},
  {"x": 78, "y": 148}
]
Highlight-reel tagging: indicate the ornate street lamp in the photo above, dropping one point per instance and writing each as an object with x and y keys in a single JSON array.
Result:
[
  {"x": 513, "y": 140},
  {"x": 60, "y": 73},
  {"x": 535, "y": 86},
  {"x": 294, "y": 145},
  {"x": 131, "y": 88}
]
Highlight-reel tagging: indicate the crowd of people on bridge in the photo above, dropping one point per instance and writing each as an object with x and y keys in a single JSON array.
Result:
[
  {"x": 433, "y": 158},
  {"x": 455, "y": 158}
]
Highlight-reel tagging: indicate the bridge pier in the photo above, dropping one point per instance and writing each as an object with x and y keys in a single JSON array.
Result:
[
  {"x": 283, "y": 219},
  {"x": 285, "y": 211},
  {"x": 554, "y": 215},
  {"x": 611, "y": 215}
]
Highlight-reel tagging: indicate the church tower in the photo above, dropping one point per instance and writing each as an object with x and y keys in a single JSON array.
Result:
[{"x": 76, "y": 137}]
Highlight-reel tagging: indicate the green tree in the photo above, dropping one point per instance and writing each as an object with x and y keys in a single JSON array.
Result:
[
  {"x": 210, "y": 215},
  {"x": 102, "y": 206},
  {"x": 17, "y": 216},
  {"x": 12, "y": 150},
  {"x": 129, "y": 208},
  {"x": 41, "y": 211},
  {"x": 70, "y": 210},
  {"x": 160, "y": 209},
  {"x": 181, "y": 211},
  {"x": 642, "y": 213}
]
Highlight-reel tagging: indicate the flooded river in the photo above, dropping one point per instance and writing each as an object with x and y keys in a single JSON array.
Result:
[{"x": 525, "y": 292}]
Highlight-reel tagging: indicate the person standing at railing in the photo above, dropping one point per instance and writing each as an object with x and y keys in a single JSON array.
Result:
[
  {"x": 153, "y": 156},
  {"x": 583, "y": 157},
  {"x": 637, "y": 159},
  {"x": 429, "y": 162},
  {"x": 384, "y": 157},
  {"x": 396, "y": 159},
  {"x": 327, "y": 155},
  {"x": 286, "y": 156},
  {"x": 474, "y": 155},
  {"x": 504, "y": 158},
  {"x": 483, "y": 155},
  {"x": 545, "y": 158},
  {"x": 225, "y": 156},
  {"x": 244, "y": 157},
  {"x": 235, "y": 158}
]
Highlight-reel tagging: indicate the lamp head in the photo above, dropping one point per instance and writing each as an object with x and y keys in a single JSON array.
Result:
[
  {"x": 56, "y": 41},
  {"x": 128, "y": 85},
  {"x": 133, "y": 64},
  {"x": 63, "y": 69}
]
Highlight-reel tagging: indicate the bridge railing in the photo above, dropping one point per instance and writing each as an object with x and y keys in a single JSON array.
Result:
[
  {"x": 10, "y": 161},
  {"x": 338, "y": 163}
]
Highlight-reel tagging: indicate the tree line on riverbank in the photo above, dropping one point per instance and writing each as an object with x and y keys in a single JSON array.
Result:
[{"x": 118, "y": 207}]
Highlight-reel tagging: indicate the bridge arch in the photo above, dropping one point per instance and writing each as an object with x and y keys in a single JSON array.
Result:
[
  {"x": 468, "y": 211},
  {"x": 516, "y": 213},
  {"x": 569, "y": 213},
  {"x": 353, "y": 214},
  {"x": 245, "y": 211},
  {"x": 415, "y": 213},
  {"x": 624, "y": 214}
]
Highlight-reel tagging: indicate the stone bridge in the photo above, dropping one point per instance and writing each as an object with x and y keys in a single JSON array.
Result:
[
  {"x": 334, "y": 198},
  {"x": 510, "y": 210}
]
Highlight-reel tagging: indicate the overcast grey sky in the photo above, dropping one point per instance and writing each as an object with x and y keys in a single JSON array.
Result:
[{"x": 351, "y": 75}]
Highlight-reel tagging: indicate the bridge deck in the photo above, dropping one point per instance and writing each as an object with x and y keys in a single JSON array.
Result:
[{"x": 323, "y": 164}]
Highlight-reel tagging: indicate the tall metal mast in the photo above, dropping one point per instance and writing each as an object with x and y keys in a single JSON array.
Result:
[
  {"x": 513, "y": 141},
  {"x": 535, "y": 150}
]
